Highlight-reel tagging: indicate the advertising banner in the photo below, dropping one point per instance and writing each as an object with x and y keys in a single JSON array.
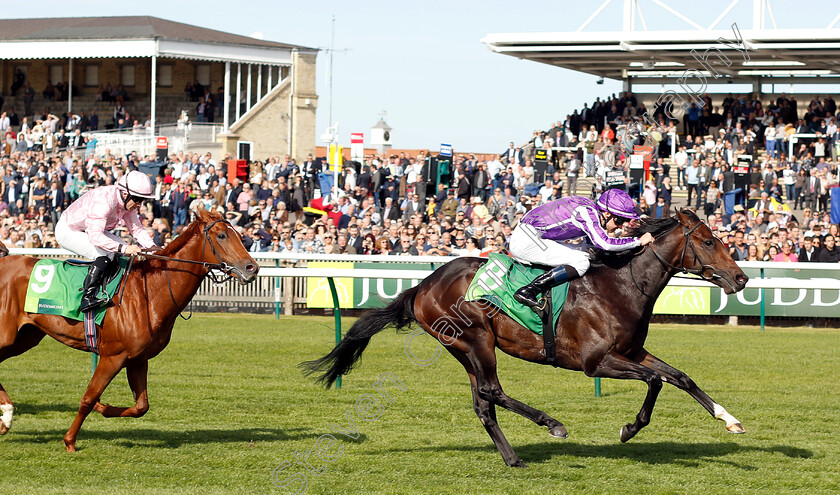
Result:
[
  {"x": 361, "y": 293},
  {"x": 712, "y": 300}
]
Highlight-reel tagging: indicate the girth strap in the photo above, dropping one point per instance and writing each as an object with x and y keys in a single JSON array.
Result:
[{"x": 548, "y": 328}]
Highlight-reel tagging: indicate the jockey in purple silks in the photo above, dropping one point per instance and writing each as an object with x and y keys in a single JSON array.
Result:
[{"x": 565, "y": 219}]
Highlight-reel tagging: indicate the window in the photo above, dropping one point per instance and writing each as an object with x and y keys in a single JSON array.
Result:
[
  {"x": 202, "y": 74},
  {"x": 56, "y": 74},
  {"x": 244, "y": 149},
  {"x": 92, "y": 75},
  {"x": 164, "y": 76},
  {"x": 127, "y": 75}
]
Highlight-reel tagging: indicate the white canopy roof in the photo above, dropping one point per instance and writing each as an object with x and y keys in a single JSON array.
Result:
[{"x": 785, "y": 55}]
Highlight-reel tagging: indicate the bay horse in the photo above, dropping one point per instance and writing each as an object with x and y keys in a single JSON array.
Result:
[
  {"x": 601, "y": 330},
  {"x": 156, "y": 291}
]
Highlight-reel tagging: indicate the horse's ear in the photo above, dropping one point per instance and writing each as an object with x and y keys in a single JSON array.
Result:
[
  {"x": 201, "y": 212},
  {"x": 683, "y": 217}
]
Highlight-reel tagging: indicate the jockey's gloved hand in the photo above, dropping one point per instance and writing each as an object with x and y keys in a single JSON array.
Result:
[{"x": 132, "y": 250}]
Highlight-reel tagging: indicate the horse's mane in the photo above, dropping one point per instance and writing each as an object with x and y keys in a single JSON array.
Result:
[
  {"x": 179, "y": 242},
  {"x": 653, "y": 226},
  {"x": 659, "y": 226}
]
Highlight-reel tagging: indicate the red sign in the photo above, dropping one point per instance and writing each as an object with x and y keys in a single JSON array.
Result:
[
  {"x": 357, "y": 138},
  {"x": 162, "y": 142}
]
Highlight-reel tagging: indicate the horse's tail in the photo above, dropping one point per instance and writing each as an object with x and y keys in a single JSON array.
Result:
[{"x": 399, "y": 314}]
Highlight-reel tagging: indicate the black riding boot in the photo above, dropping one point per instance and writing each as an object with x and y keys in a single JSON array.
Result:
[
  {"x": 94, "y": 281},
  {"x": 528, "y": 294}
]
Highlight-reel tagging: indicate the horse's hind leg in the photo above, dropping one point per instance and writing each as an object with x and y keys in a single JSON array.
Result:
[
  {"x": 27, "y": 338},
  {"x": 137, "y": 375},
  {"x": 486, "y": 412},
  {"x": 614, "y": 365},
  {"x": 680, "y": 380},
  {"x": 490, "y": 389}
]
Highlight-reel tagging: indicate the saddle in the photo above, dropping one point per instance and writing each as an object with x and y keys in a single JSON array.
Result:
[
  {"x": 498, "y": 279},
  {"x": 55, "y": 287}
]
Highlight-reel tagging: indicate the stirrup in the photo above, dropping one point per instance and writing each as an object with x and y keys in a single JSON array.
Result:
[
  {"x": 540, "y": 307},
  {"x": 93, "y": 306}
]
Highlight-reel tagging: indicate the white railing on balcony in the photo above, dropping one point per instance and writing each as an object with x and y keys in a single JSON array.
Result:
[{"x": 181, "y": 136}]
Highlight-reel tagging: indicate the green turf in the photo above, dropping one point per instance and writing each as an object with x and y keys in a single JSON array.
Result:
[{"x": 228, "y": 406}]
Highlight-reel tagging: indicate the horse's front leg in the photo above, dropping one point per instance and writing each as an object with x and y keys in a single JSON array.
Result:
[
  {"x": 680, "y": 380},
  {"x": 614, "y": 365},
  {"x": 137, "y": 378},
  {"x": 105, "y": 372}
]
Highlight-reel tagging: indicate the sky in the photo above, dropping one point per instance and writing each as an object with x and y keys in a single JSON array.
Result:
[{"x": 423, "y": 63}]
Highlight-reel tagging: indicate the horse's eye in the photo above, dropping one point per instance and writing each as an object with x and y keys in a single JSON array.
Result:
[
  {"x": 709, "y": 242},
  {"x": 221, "y": 236}
]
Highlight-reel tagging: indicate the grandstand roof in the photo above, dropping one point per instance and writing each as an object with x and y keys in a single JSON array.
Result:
[
  {"x": 132, "y": 36},
  {"x": 785, "y": 55}
]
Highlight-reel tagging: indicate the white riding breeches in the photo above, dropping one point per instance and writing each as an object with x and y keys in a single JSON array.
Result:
[
  {"x": 79, "y": 242},
  {"x": 527, "y": 245}
]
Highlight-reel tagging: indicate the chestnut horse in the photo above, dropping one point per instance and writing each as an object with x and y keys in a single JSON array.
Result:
[
  {"x": 156, "y": 291},
  {"x": 601, "y": 331}
]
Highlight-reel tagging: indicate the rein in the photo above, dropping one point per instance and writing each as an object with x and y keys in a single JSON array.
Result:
[{"x": 221, "y": 266}]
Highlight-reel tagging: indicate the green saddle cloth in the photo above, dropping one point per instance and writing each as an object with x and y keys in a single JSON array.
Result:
[
  {"x": 55, "y": 288},
  {"x": 500, "y": 277}
]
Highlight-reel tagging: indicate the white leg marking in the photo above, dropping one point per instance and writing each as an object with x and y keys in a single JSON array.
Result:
[
  {"x": 8, "y": 411},
  {"x": 720, "y": 413}
]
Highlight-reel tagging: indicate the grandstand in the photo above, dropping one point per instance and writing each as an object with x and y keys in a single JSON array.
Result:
[{"x": 697, "y": 66}]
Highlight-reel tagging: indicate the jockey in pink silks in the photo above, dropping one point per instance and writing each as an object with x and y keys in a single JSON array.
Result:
[
  {"x": 536, "y": 238},
  {"x": 84, "y": 229}
]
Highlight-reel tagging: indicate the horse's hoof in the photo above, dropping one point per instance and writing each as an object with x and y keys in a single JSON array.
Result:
[
  {"x": 3, "y": 428},
  {"x": 559, "y": 432},
  {"x": 70, "y": 444},
  {"x": 518, "y": 463},
  {"x": 735, "y": 428},
  {"x": 626, "y": 433}
]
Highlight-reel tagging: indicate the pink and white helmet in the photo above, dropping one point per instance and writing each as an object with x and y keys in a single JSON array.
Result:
[{"x": 136, "y": 184}]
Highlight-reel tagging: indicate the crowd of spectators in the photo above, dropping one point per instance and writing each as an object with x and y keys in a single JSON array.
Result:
[
  {"x": 384, "y": 206},
  {"x": 739, "y": 148}
]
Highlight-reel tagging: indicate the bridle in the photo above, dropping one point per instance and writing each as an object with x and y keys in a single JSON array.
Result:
[
  {"x": 220, "y": 266},
  {"x": 705, "y": 272}
]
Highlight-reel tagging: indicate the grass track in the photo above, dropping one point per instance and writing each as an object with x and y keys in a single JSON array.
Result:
[{"x": 228, "y": 406}]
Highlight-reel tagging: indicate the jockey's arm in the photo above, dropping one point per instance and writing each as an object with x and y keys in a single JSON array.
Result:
[
  {"x": 95, "y": 229},
  {"x": 590, "y": 224},
  {"x": 132, "y": 221}
]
